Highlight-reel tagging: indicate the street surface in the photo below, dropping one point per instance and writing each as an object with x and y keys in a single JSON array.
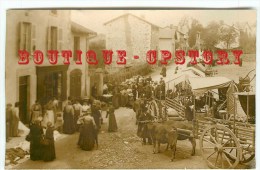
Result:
[{"x": 122, "y": 149}]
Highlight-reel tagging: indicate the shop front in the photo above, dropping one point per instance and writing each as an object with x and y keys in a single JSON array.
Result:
[{"x": 51, "y": 82}]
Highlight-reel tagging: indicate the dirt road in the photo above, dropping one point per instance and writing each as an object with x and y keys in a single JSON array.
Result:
[{"x": 122, "y": 149}]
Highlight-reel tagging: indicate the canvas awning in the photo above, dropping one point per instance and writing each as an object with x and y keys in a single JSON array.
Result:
[
  {"x": 195, "y": 71},
  {"x": 200, "y": 85},
  {"x": 180, "y": 77}
]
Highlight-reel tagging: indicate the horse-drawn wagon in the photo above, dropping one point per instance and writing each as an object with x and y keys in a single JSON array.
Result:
[{"x": 225, "y": 141}]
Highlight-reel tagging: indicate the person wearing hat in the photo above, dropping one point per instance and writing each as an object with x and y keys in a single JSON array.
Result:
[
  {"x": 163, "y": 71},
  {"x": 142, "y": 130},
  {"x": 116, "y": 97},
  {"x": 162, "y": 89},
  {"x": 48, "y": 115},
  {"x": 77, "y": 113},
  {"x": 35, "y": 134},
  {"x": 15, "y": 120},
  {"x": 188, "y": 110},
  {"x": 49, "y": 150},
  {"x": 87, "y": 132},
  {"x": 36, "y": 111},
  {"x": 112, "y": 125},
  {"x": 96, "y": 114},
  {"x": 68, "y": 119},
  {"x": 85, "y": 107},
  {"x": 157, "y": 91}
]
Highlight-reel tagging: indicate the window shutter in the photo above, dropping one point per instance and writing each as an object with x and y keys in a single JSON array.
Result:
[
  {"x": 48, "y": 38},
  {"x": 20, "y": 40},
  {"x": 33, "y": 38},
  {"x": 60, "y": 39}
]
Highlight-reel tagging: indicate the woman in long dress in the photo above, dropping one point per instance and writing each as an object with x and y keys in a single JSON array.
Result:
[
  {"x": 95, "y": 113},
  {"x": 36, "y": 111},
  {"x": 48, "y": 115},
  {"x": 87, "y": 134},
  {"x": 68, "y": 113},
  {"x": 55, "y": 104},
  {"x": 77, "y": 113},
  {"x": 49, "y": 150},
  {"x": 112, "y": 125},
  {"x": 116, "y": 97},
  {"x": 36, "y": 133},
  {"x": 50, "y": 111},
  {"x": 15, "y": 120}
]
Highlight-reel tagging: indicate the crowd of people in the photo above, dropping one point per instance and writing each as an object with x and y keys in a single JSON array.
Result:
[
  {"x": 41, "y": 144},
  {"x": 82, "y": 116}
]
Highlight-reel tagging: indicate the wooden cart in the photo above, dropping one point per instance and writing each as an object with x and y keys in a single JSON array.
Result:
[{"x": 223, "y": 143}]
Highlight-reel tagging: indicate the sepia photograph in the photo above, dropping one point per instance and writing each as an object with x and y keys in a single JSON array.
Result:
[{"x": 130, "y": 88}]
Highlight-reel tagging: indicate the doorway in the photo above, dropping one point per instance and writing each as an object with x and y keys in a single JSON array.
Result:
[
  {"x": 75, "y": 83},
  {"x": 24, "y": 93}
]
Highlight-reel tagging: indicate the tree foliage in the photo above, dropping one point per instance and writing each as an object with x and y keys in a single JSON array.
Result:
[
  {"x": 98, "y": 45},
  {"x": 210, "y": 35},
  {"x": 247, "y": 43},
  {"x": 228, "y": 35},
  {"x": 196, "y": 27}
]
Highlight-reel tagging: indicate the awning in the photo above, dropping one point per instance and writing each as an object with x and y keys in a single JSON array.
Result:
[
  {"x": 200, "y": 85},
  {"x": 195, "y": 71},
  {"x": 180, "y": 77}
]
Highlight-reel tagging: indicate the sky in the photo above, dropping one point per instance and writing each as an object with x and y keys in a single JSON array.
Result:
[{"x": 95, "y": 19}]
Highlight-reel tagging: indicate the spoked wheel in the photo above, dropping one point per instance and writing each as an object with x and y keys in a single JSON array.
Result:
[
  {"x": 246, "y": 157},
  {"x": 218, "y": 146}
]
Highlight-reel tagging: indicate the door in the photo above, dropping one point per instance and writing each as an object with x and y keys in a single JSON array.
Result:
[
  {"x": 75, "y": 83},
  {"x": 24, "y": 99}
]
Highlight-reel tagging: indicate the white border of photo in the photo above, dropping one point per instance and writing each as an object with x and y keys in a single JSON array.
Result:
[{"x": 82, "y": 4}]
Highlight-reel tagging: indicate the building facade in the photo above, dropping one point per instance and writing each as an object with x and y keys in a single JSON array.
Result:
[
  {"x": 133, "y": 34},
  {"x": 167, "y": 39},
  {"x": 42, "y": 30}
]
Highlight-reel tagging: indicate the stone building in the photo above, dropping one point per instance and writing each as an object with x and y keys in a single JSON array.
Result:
[
  {"x": 133, "y": 34},
  {"x": 181, "y": 40},
  {"x": 43, "y": 30},
  {"x": 167, "y": 39}
]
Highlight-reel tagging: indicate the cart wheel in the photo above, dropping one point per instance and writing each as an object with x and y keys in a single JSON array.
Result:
[{"x": 218, "y": 144}]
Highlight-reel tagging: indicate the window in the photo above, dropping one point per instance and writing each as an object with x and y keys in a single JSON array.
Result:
[
  {"x": 54, "y": 38},
  {"x": 25, "y": 36}
]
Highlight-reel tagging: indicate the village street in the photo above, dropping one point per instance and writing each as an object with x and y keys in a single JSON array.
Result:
[{"x": 122, "y": 149}]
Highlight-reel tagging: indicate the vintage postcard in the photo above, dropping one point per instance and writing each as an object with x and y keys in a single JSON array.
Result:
[{"x": 130, "y": 88}]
